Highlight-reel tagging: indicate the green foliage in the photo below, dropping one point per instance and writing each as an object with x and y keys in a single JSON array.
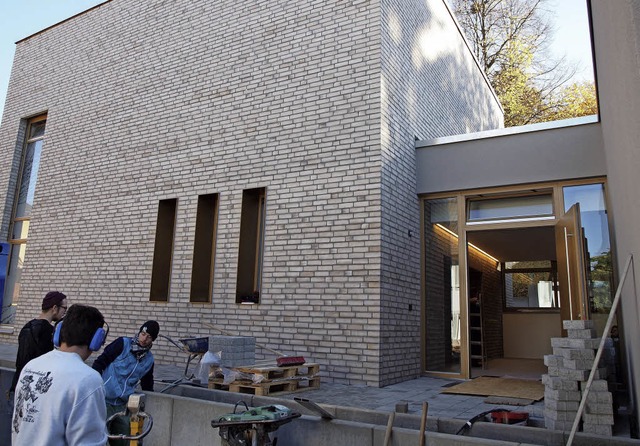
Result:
[
  {"x": 575, "y": 100},
  {"x": 509, "y": 39}
]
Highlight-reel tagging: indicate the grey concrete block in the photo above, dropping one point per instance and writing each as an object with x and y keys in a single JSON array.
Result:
[
  {"x": 561, "y": 405},
  {"x": 578, "y": 364},
  {"x": 562, "y": 395},
  {"x": 598, "y": 419},
  {"x": 599, "y": 408},
  {"x": 586, "y": 333},
  {"x": 553, "y": 361},
  {"x": 571, "y": 353},
  {"x": 575, "y": 343},
  {"x": 568, "y": 374},
  {"x": 578, "y": 324},
  {"x": 597, "y": 429},
  {"x": 560, "y": 415},
  {"x": 597, "y": 385},
  {"x": 600, "y": 397},
  {"x": 557, "y": 383}
]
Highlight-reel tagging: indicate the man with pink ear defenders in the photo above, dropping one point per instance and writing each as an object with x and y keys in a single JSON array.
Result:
[{"x": 59, "y": 399}]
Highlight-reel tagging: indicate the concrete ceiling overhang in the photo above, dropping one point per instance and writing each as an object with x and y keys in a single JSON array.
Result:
[
  {"x": 520, "y": 244},
  {"x": 536, "y": 153}
]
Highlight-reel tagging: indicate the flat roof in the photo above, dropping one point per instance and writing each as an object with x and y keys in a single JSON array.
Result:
[{"x": 508, "y": 131}]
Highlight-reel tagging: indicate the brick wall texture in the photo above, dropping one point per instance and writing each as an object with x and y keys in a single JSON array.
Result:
[{"x": 318, "y": 101}]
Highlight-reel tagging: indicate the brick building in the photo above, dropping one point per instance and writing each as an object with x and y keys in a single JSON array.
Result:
[{"x": 249, "y": 165}]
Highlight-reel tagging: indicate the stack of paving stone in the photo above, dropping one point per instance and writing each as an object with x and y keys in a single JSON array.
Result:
[
  {"x": 568, "y": 372},
  {"x": 234, "y": 350}
]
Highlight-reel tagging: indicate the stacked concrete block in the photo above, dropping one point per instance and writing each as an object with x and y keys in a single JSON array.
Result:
[
  {"x": 568, "y": 372},
  {"x": 234, "y": 351}
]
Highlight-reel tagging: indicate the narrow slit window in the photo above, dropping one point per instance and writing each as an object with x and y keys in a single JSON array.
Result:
[
  {"x": 163, "y": 251},
  {"x": 250, "y": 253},
  {"x": 204, "y": 248}
]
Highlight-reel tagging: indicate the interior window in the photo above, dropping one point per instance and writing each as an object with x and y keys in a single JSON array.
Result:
[{"x": 530, "y": 285}]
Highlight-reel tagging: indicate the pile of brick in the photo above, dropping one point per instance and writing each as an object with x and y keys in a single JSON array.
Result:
[{"x": 568, "y": 372}]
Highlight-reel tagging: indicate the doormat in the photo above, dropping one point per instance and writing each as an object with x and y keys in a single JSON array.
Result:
[{"x": 507, "y": 387}]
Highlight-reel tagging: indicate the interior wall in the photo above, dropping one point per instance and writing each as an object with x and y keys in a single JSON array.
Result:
[{"x": 528, "y": 335}]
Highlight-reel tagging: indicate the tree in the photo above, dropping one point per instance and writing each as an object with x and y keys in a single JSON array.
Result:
[
  {"x": 510, "y": 40},
  {"x": 577, "y": 99}
]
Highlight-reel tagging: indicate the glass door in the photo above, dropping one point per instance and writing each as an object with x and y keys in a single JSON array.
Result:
[
  {"x": 570, "y": 248},
  {"x": 444, "y": 320}
]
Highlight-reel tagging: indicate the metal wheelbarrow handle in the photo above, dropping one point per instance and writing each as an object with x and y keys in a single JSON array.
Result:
[{"x": 148, "y": 424}]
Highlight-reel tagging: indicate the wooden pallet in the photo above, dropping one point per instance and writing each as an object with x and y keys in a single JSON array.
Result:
[
  {"x": 270, "y": 388},
  {"x": 273, "y": 380},
  {"x": 274, "y": 373}
]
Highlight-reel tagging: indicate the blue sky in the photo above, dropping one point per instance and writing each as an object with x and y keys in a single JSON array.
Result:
[{"x": 21, "y": 18}]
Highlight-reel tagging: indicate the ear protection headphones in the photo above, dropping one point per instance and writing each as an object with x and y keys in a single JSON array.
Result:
[{"x": 97, "y": 341}]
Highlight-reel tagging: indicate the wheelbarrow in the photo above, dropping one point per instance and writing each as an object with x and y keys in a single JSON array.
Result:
[{"x": 195, "y": 347}]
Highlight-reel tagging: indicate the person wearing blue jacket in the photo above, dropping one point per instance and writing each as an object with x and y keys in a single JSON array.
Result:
[{"x": 123, "y": 364}]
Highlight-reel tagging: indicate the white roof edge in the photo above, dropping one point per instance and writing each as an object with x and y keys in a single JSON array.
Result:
[{"x": 591, "y": 119}]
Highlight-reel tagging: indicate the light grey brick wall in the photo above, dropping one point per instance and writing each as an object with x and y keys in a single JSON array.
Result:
[
  {"x": 174, "y": 99},
  {"x": 430, "y": 87}
]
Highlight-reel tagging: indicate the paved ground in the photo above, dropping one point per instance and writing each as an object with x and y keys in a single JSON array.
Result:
[{"x": 413, "y": 392}]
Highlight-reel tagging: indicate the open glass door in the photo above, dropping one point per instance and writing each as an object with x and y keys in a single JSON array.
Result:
[{"x": 570, "y": 247}]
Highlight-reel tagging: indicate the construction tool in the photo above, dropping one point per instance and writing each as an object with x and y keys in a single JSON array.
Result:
[
  {"x": 387, "y": 435},
  {"x": 138, "y": 419},
  {"x": 282, "y": 360},
  {"x": 423, "y": 422},
  {"x": 252, "y": 426},
  {"x": 313, "y": 407}
]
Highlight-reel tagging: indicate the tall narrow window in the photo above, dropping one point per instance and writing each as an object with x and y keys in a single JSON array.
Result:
[
  {"x": 19, "y": 231},
  {"x": 204, "y": 248},
  {"x": 163, "y": 252},
  {"x": 251, "y": 246}
]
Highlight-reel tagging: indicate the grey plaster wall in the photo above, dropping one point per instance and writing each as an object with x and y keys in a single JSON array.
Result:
[{"x": 616, "y": 33}]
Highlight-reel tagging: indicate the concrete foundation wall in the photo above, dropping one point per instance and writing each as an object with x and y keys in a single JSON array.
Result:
[{"x": 184, "y": 416}]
